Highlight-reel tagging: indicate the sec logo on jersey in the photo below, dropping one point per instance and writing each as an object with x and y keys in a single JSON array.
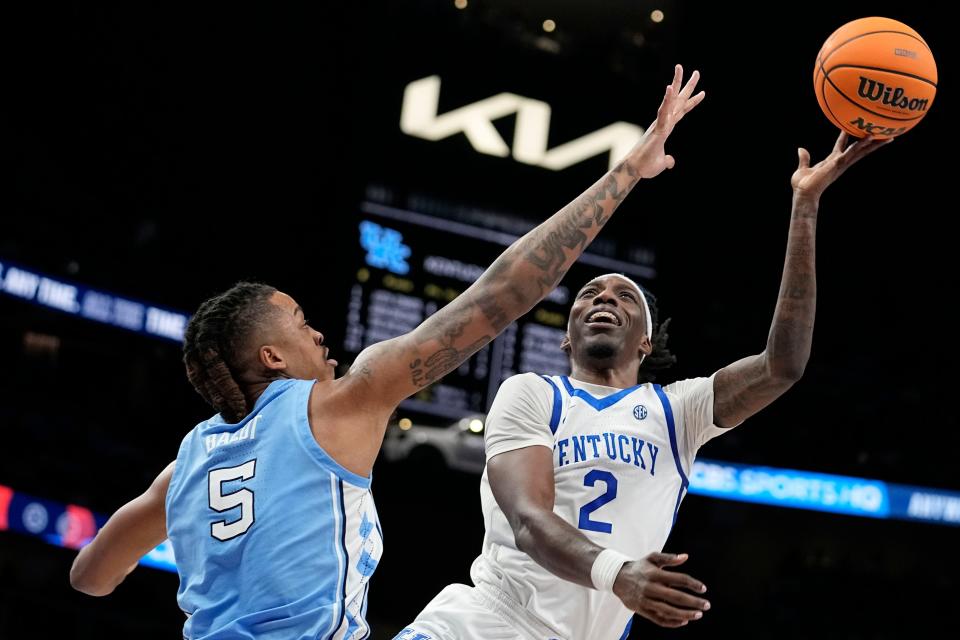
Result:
[{"x": 639, "y": 412}]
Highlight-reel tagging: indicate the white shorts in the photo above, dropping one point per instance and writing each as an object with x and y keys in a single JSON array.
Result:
[{"x": 460, "y": 612}]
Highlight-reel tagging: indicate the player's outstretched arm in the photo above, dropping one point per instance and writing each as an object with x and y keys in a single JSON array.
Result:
[
  {"x": 748, "y": 385},
  {"x": 522, "y": 276},
  {"x": 130, "y": 533},
  {"x": 522, "y": 482}
]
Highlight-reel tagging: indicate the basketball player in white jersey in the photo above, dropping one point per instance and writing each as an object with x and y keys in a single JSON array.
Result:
[{"x": 585, "y": 474}]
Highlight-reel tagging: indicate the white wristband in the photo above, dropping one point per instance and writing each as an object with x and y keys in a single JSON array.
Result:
[{"x": 606, "y": 568}]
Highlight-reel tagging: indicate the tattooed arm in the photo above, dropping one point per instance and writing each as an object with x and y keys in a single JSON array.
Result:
[
  {"x": 349, "y": 418},
  {"x": 748, "y": 385},
  {"x": 522, "y": 276}
]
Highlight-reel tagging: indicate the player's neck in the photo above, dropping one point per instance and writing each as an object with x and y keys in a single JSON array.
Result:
[
  {"x": 622, "y": 377},
  {"x": 253, "y": 388},
  {"x": 252, "y": 385}
]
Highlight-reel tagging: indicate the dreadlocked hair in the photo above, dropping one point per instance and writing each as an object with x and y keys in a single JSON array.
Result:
[
  {"x": 660, "y": 358},
  {"x": 214, "y": 340}
]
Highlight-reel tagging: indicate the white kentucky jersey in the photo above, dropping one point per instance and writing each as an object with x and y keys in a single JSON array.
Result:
[{"x": 621, "y": 459}]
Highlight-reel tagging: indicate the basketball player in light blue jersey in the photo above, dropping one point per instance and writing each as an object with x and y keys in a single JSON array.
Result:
[
  {"x": 268, "y": 504},
  {"x": 585, "y": 474}
]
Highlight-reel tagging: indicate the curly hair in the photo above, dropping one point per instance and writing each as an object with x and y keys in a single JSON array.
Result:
[
  {"x": 660, "y": 358},
  {"x": 214, "y": 341}
]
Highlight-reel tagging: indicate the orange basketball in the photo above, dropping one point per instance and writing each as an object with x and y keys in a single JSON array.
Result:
[{"x": 875, "y": 76}]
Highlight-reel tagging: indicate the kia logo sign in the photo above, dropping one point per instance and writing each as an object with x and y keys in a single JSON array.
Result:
[{"x": 419, "y": 118}]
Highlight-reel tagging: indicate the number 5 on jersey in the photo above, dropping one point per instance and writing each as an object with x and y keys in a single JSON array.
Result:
[{"x": 220, "y": 502}]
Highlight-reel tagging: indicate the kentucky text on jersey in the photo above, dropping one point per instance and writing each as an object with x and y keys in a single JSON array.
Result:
[{"x": 619, "y": 447}]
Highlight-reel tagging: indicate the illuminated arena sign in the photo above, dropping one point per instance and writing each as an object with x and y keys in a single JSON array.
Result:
[
  {"x": 73, "y": 527},
  {"x": 419, "y": 118},
  {"x": 78, "y": 300}
]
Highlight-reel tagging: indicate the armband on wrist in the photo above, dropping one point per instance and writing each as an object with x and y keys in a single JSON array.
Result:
[{"x": 606, "y": 568}]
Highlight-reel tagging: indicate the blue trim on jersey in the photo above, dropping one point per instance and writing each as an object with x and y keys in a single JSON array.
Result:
[
  {"x": 597, "y": 403},
  {"x": 557, "y": 406},
  {"x": 363, "y": 611},
  {"x": 342, "y": 604},
  {"x": 341, "y": 559},
  {"x": 671, "y": 429},
  {"x": 626, "y": 632},
  {"x": 316, "y": 451}
]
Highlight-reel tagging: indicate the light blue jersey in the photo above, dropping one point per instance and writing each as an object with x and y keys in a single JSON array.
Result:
[{"x": 273, "y": 539}]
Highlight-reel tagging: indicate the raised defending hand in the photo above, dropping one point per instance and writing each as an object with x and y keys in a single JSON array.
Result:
[
  {"x": 811, "y": 182},
  {"x": 660, "y": 596},
  {"x": 648, "y": 158}
]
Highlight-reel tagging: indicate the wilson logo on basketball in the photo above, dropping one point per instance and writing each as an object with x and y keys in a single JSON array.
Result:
[{"x": 876, "y": 91}]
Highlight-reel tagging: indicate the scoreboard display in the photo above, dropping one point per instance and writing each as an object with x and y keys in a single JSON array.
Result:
[{"x": 413, "y": 264}]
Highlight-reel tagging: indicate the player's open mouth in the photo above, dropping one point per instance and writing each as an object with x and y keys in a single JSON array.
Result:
[{"x": 603, "y": 317}]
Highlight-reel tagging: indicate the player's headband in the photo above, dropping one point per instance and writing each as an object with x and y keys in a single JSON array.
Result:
[{"x": 646, "y": 305}]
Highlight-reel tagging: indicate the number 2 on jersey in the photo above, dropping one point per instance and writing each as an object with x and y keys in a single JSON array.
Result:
[
  {"x": 221, "y": 502},
  {"x": 590, "y": 480}
]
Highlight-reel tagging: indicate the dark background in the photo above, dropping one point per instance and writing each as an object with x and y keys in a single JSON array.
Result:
[{"x": 163, "y": 153}]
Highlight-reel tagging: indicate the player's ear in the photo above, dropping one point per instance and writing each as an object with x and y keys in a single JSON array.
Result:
[
  {"x": 646, "y": 347},
  {"x": 271, "y": 358},
  {"x": 565, "y": 344}
]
